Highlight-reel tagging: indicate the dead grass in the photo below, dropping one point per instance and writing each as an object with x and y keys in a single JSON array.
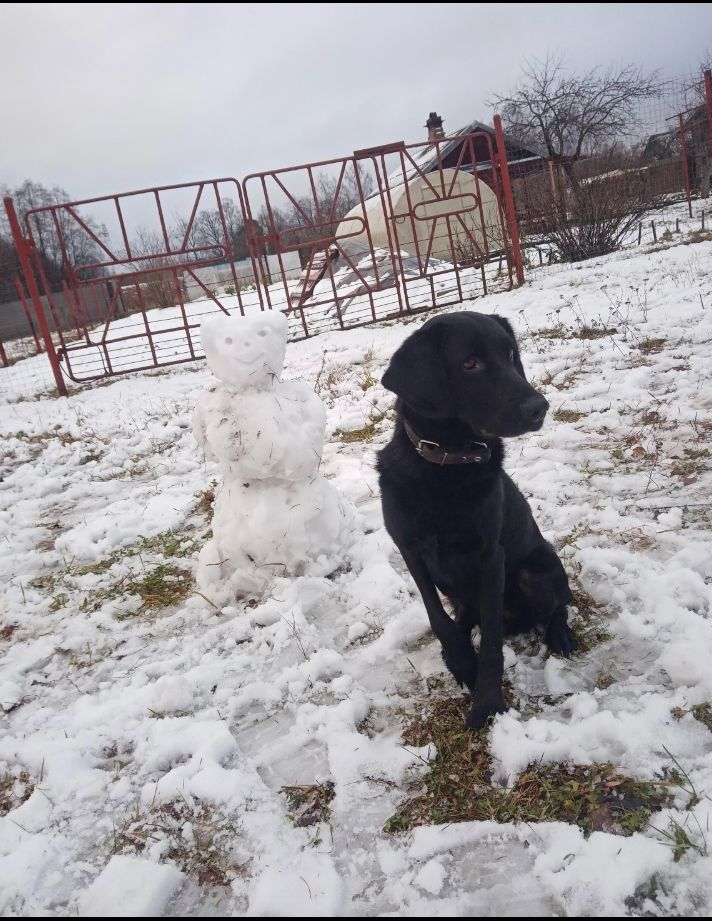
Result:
[
  {"x": 588, "y": 623},
  {"x": 198, "y": 841},
  {"x": 458, "y": 786},
  {"x": 595, "y": 332},
  {"x": 309, "y": 804},
  {"x": 651, "y": 345},
  {"x": 15, "y": 789},
  {"x": 367, "y": 380},
  {"x": 40, "y": 438},
  {"x": 329, "y": 381},
  {"x": 52, "y": 394},
  {"x": 699, "y": 236},
  {"x": 567, "y": 415},
  {"x": 694, "y": 462},
  {"x": 575, "y": 332},
  {"x": 159, "y": 587},
  {"x": 160, "y": 582},
  {"x": 701, "y": 712},
  {"x": 552, "y": 332},
  {"x": 366, "y": 432},
  {"x": 206, "y": 500},
  {"x": 560, "y": 383}
]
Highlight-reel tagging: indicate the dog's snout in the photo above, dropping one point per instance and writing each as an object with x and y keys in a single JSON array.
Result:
[{"x": 534, "y": 409}]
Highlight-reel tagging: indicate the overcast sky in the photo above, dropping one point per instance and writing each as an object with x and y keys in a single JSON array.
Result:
[{"x": 108, "y": 97}]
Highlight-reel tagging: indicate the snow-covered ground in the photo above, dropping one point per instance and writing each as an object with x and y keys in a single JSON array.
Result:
[{"x": 144, "y": 748}]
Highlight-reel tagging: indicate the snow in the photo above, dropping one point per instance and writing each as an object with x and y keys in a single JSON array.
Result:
[
  {"x": 198, "y": 713},
  {"x": 130, "y": 888},
  {"x": 274, "y": 513}
]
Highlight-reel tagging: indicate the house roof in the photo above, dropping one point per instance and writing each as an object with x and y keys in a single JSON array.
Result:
[{"x": 516, "y": 153}]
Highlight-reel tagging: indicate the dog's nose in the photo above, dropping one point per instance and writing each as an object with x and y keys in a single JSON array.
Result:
[{"x": 534, "y": 409}]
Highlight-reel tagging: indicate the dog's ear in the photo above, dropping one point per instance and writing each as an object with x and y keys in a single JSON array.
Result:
[
  {"x": 506, "y": 326},
  {"x": 418, "y": 376}
]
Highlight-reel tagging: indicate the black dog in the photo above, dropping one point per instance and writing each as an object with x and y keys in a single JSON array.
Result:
[{"x": 460, "y": 523}]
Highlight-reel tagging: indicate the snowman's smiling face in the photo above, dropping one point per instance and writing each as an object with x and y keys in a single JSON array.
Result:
[
  {"x": 249, "y": 348},
  {"x": 246, "y": 352}
]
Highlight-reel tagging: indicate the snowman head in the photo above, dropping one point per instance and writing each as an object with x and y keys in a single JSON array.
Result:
[{"x": 246, "y": 352}]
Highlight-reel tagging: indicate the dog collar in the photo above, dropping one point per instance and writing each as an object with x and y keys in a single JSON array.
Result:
[{"x": 431, "y": 451}]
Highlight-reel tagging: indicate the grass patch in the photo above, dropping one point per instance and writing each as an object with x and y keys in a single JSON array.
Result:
[
  {"x": 159, "y": 583},
  {"x": 567, "y": 415},
  {"x": 552, "y": 332},
  {"x": 568, "y": 380},
  {"x": 206, "y": 500},
  {"x": 595, "y": 332},
  {"x": 309, "y": 804},
  {"x": 699, "y": 236},
  {"x": 701, "y": 712},
  {"x": 57, "y": 433},
  {"x": 366, "y": 432},
  {"x": 458, "y": 786},
  {"x": 692, "y": 464},
  {"x": 331, "y": 380},
  {"x": 650, "y": 345},
  {"x": 367, "y": 380},
  {"x": 52, "y": 394},
  {"x": 604, "y": 680},
  {"x": 159, "y": 587},
  {"x": 15, "y": 789},
  {"x": 588, "y": 624},
  {"x": 575, "y": 332},
  {"x": 677, "y": 836},
  {"x": 197, "y": 841}
]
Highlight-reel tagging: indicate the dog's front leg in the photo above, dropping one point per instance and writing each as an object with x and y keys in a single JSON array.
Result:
[
  {"x": 455, "y": 638},
  {"x": 488, "y": 690}
]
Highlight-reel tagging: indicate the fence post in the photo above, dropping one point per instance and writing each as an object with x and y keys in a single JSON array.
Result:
[
  {"x": 708, "y": 104},
  {"x": 509, "y": 200},
  {"x": 685, "y": 167},
  {"x": 23, "y": 248},
  {"x": 26, "y": 310}
]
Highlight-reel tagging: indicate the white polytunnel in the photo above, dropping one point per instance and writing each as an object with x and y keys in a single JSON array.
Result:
[{"x": 441, "y": 213}]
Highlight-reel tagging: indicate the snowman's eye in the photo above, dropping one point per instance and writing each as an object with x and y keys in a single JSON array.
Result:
[{"x": 228, "y": 341}]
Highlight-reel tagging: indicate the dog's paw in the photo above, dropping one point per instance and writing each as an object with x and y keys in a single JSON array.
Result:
[
  {"x": 560, "y": 638},
  {"x": 480, "y": 713},
  {"x": 463, "y": 669}
]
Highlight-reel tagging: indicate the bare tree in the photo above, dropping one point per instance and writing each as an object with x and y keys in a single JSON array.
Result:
[
  {"x": 222, "y": 230},
  {"x": 694, "y": 90},
  {"x": 156, "y": 282},
  {"x": 570, "y": 116},
  {"x": 64, "y": 247},
  {"x": 315, "y": 217},
  {"x": 182, "y": 237}
]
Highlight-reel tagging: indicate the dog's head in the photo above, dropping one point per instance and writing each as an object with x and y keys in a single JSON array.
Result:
[{"x": 467, "y": 366}]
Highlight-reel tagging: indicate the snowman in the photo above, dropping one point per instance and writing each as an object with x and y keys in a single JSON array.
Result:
[{"x": 274, "y": 514}]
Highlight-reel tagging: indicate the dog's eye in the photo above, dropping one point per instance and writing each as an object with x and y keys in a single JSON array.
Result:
[
  {"x": 473, "y": 364},
  {"x": 511, "y": 354}
]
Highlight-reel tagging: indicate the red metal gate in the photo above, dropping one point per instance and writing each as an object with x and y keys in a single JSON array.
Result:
[
  {"x": 341, "y": 243},
  {"x": 429, "y": 225},
  {"x": 122, "y": 304}
]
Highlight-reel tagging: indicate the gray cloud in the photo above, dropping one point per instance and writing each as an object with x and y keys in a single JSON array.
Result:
[{"x": 108, "y": 97}]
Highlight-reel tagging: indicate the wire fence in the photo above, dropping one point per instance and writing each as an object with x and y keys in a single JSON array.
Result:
[{"x": 647, "y": 185}]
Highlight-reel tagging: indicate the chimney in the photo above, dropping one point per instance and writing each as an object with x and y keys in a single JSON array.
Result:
[{"x": 434, "y": 124}]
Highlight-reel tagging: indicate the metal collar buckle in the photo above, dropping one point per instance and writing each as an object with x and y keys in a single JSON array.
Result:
[{"x": 434, "y": 452}]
